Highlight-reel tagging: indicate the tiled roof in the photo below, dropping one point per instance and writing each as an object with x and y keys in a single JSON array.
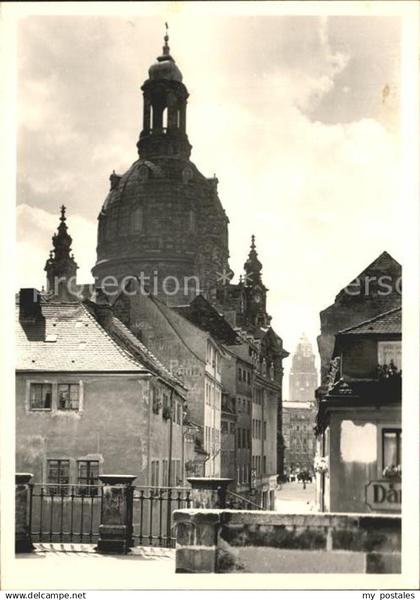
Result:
[
  {"x": 388, "y": 322},
  {"x": 202, "y": 314},
  {"x": 122, "y": 335},
  {"x": 76, "y": 342}
]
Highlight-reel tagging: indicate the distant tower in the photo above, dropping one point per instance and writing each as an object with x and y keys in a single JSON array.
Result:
[
  {"x": 61, "y": 266},
  {"x": 303, "y": 378}
]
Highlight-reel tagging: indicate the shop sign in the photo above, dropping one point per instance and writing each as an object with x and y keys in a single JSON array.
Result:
[{"x": 383, "y": 495}]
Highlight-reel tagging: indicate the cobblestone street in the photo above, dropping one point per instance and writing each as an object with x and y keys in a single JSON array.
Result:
[{"x": 292, "y": 498}]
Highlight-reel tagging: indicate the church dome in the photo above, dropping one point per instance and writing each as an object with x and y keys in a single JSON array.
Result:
[{"x": 165, "y": 67}]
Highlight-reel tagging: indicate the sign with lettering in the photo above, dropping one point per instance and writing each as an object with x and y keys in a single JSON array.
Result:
[{"x": 383, "y": 495}]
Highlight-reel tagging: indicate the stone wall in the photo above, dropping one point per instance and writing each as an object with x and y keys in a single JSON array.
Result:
[{"x": 226, "y": 541}]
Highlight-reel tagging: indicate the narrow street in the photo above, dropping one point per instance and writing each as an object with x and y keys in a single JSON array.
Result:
[{"x": 291, "y": 497}]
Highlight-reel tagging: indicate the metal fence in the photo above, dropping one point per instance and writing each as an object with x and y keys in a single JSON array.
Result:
[
  {"x": 152, "y": 514},
  {"x": 239, "y": 502},
  {"x": 72, "y": 514},
  {"x": 65, "y": 513}
]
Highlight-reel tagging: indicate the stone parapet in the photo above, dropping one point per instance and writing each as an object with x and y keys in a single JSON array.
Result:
[
  {"x": 23, "y": 540},
  {"x": 223, "y": 541},
  {"x": 209, "y": 492},
  {"x": 116, "y": 528}
]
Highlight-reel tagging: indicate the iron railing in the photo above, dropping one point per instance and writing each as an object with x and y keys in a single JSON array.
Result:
[
  {"x": 72, "y": 513},
  {"x": 238, "y": 502},
  {"x": 65, "y": 513},
  {"x": 152, "y": 514}
]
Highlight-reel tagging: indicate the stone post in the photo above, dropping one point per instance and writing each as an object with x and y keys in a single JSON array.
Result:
[
  {"x": 116, "y": 528},
  {"x": 23, "y": 506},
  {"x": 209, "y": 492}
]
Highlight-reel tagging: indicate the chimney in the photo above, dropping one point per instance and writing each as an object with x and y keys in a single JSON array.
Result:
[
  {"x": 29, "y": 305},
  {"x": 103, "y": 309}
]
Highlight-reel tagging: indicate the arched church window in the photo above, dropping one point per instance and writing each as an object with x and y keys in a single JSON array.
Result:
[
  {"x": 165, "y": 118},
  {"x": 137, "y": 219},
  {"x": 187, "y": 175},
  {"x": 192, "y": 220},
  {"x": 151, "y": 117},
  {"x": 143, "y": 173}
]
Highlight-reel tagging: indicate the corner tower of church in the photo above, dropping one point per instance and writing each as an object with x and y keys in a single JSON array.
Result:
[{"x": 162, "y": 220}]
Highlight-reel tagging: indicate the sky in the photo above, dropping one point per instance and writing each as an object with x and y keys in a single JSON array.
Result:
[{"x": 298, "y": 117}]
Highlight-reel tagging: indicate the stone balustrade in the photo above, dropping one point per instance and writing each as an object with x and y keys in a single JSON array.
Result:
[{"x": 224, "y": 541}]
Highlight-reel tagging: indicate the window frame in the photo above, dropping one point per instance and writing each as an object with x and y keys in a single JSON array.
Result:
[
  {"x": 42, "y": 384},
  {"x": 91, "y": 491},
  {"x": 69, "y": 385},
  {"x": 398, "y": 431},
  {"x": 58, "y": 485}
]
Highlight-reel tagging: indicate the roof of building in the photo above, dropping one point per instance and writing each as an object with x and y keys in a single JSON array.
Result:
[
  {"x": 175, "y": 320},
  {"x": 203, "y": 314},
  {"x": 123, "y": 336},
  {"x": 69, "y": 338},
  {"x": 387, "y": 322},
  {"x": 383, "y": 264}
]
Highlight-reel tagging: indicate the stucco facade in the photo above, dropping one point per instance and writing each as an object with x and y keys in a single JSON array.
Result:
[
  {"x": 359, "y": 420},
  {"x": 193, "y": 356},
  {"x": 87, "y": 401}
]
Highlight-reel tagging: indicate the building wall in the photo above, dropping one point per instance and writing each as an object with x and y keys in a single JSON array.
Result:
[
  {"x": 244, "y": 384},
  {"x": 228, "y": 438},
  {"x": 237, "y": 379},
  {"x": 298, "y": 427},
  {"x": 116, "y": 426},
  {"x": 212, "y": 409},
  {"x": 183, "y": 348},
  {"x": 355, "y": 456},
  {"x": 264, "y": 441},
  {"x": 270, "y": 418}
]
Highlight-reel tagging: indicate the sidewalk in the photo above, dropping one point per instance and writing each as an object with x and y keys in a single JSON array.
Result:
[
  {"x": 148, "y": 553},
  {"x": 78, "y": 566},
  {"x": 292, "y": 498}
]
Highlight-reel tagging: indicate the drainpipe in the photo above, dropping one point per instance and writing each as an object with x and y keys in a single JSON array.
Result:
[
  {"x": 149, "y": 431},
  {"x": 170, "y": 438},
  {"x": 182, "y": 449}
]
